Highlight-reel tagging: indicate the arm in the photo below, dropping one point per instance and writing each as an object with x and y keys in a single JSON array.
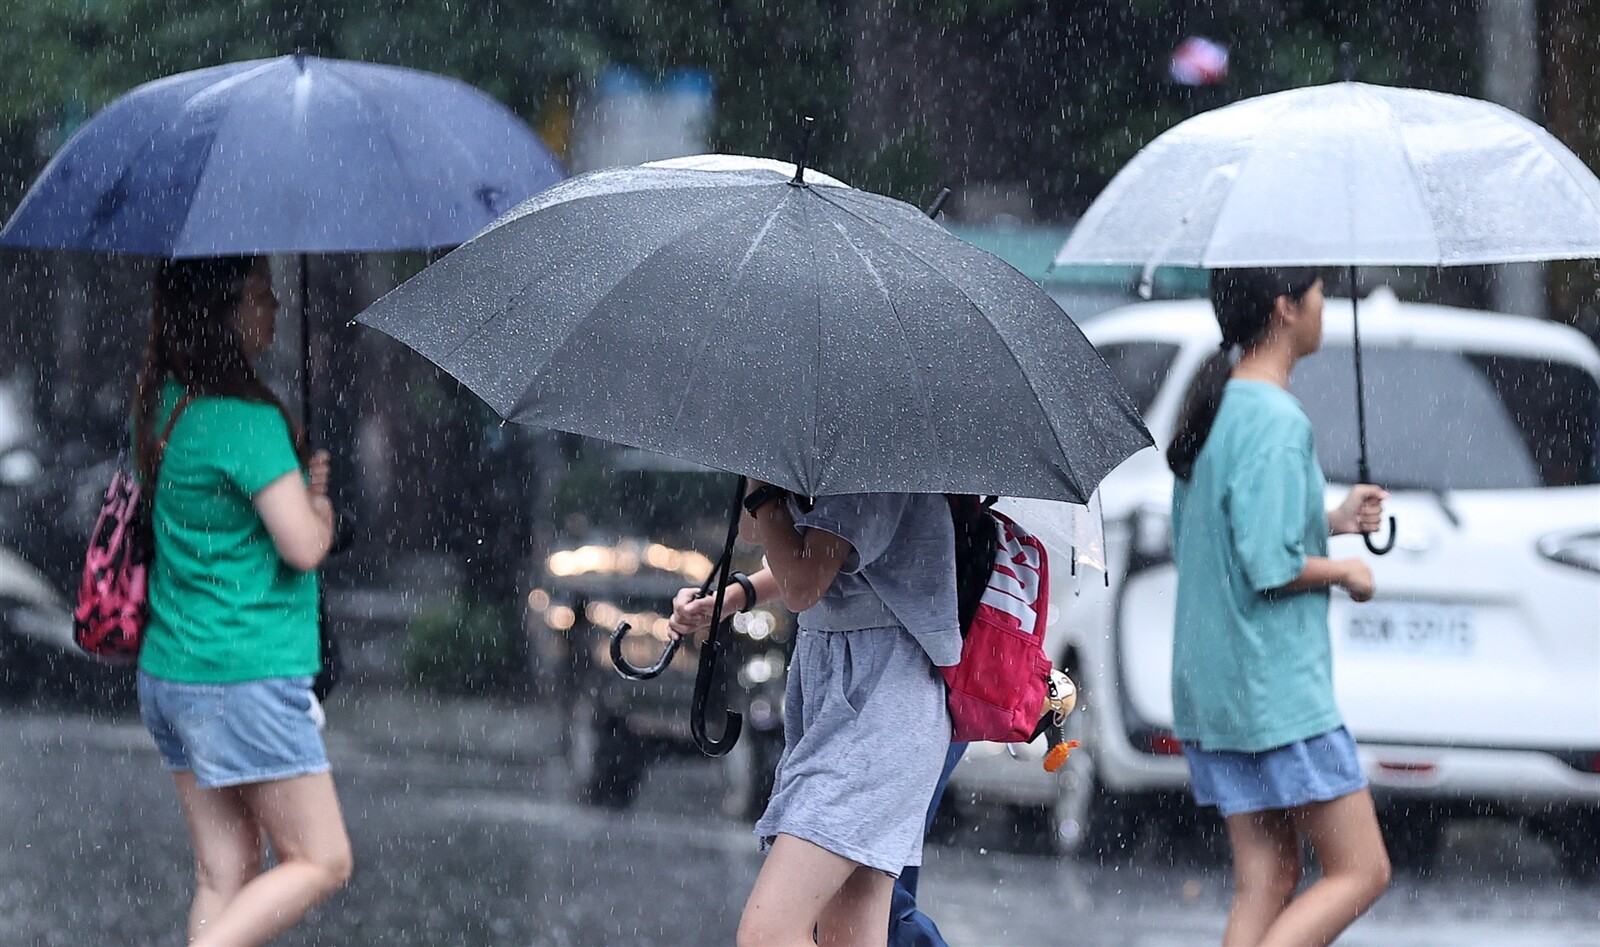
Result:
[
  {"x": 1320, "y": 572},
  {"x": 692, "y": 613},
  {"x": 804, "y": 564},
  {"x": 299, "y": 519}
]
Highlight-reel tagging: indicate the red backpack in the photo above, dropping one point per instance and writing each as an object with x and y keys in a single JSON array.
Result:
[
  {"x": 112, "y": 595},
  {"x": 1003, "y": 593}
]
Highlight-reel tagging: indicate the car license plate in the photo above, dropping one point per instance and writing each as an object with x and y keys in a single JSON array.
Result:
[{"x": 1411, "y": 628}]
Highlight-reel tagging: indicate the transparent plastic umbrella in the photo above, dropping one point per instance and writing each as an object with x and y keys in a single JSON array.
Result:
[{"x": 1346, "y": 174}]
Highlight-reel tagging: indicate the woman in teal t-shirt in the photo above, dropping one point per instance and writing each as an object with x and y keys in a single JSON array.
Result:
[
  {"x": 231, "y": 643},
  {"x": 1252, "y": 667}
]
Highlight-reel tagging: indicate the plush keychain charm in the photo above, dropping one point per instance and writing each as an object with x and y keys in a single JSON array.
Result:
[{"x": 1060, "y": 701}]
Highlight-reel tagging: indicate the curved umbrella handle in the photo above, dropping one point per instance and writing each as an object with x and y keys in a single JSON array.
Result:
[
  {"x": 632, "y": 671},
  {"x": 732, "y": 723},
  {"x": 1374, "y": 548}
]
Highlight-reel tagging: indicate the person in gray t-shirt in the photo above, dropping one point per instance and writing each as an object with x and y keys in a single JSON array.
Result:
[{"x": 866, "y": 731}]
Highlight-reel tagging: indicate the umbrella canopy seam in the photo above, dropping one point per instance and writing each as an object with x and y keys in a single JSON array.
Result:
[
  {"x": 984, "y": 319},
  {"x": 883, "y": 289},
  {"x": 213, "y": 89},
  {"x": 1416, "y": 173},
  {"x": 516, "y": 298},
  {"x": 210, "y": 90},
  {"x": 816, "y": 301},
  {"x": 733, "y": 281}
]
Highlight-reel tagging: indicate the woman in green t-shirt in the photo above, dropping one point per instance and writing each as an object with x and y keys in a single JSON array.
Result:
[
  {"x": 1252, "y": 667},
  {"x": 241, "y": 519}
]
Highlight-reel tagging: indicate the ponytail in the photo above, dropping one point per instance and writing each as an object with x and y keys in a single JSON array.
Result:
[
  {"x": 1243, "y": 300},
  {"x": 1199, "y": 412}
]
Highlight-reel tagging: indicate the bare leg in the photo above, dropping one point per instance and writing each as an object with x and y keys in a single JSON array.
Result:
[
  {"x": 1355, "y": 871},
  {"x": 797, "y": 883},
  {"x": 301, "y": 819},
  {"x": 228, "y": 851},
  {"x": 858, "y": 915},
  {"x": 1266, "y": 872}
]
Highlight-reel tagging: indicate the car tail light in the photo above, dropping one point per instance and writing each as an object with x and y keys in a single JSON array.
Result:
[
  {"x": 1577, "y": 548},
  {"x": 1158, "y": 743},
  {"x": 1584, "y": 761}
]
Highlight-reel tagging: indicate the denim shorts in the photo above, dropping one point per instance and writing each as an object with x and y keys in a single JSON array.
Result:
[
  {"x": 233, "y": 734},
  {"x": 1319, "y": 769}
]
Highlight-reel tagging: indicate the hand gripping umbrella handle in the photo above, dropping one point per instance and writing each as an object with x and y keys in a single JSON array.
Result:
[
  {"x": 632, "y": 671},
  {"x": 1376, "y": 549}
]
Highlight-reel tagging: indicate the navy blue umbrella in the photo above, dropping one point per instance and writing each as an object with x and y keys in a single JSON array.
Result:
[
  {"x": 289, "y": 155},
  {"x": 294, "y": 155}
]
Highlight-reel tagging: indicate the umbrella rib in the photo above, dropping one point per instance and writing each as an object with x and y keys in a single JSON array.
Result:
[
  {"x": 1416, "y": 175},
  {"x": 759, "y": 237},
  {"x": 535, "y": 371},
  {"x": 388, "y": 139},
  {"x": 905, "y": 336},
  {"x": 211, "y": 89},
  {"x": 1004, "y": 342},
  {"x": 816, "y": 370},
  {"x": 527, "y": 289}
]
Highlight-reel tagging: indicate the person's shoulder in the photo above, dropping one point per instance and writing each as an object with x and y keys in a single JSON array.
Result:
[
  {"x": 240, "y": 414},
  {"x": 1272, "y": 412}
]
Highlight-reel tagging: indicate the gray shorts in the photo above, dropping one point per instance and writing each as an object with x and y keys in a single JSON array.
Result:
[{"x": 865, "y": 737}]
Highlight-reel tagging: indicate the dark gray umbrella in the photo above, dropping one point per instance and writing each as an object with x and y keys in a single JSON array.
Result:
[{"x": 821, "y": 338}]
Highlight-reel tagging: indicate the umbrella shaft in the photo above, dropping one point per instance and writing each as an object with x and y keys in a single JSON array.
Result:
[
  {"x": 1363, "y": 468},
  {"x": 305, "y": 347}
]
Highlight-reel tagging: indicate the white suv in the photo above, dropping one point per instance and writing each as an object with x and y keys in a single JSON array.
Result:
[{"x": 1472, "y": 680}]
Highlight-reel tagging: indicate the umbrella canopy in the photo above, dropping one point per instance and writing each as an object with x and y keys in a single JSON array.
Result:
[
  {"x": 1346, "y": 174},
  {"x": 289, "y": 155},
  {"x": 822, "y": 338}
]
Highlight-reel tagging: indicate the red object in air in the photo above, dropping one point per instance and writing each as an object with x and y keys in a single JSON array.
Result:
[{"x": 1199, "y": 61}]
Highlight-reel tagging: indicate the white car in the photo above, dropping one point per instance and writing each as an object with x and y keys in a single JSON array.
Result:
[{"x": 1471, "y": 681}]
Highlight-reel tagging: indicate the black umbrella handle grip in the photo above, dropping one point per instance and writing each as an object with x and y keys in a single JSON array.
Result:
[
  {"x": 732, "y": 722},
  {"x": 632, "y": 671},
  {"x": 1376, "y": 549}
]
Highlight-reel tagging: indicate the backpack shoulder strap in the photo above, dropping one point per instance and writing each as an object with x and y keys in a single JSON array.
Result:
[{"x": 166, "y": 433}]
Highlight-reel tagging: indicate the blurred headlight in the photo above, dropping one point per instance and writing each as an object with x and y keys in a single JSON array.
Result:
[
  {"x": 19, "y": 467},
  {"x": 761, "y": 669},
  {"x": 757, "y": 625},
  {"x": 1578, "y": 548}
]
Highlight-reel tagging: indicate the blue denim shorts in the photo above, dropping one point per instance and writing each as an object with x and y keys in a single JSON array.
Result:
[
  {"x": 233, "y": 734},
  {"x": 1320, "y": 769}
]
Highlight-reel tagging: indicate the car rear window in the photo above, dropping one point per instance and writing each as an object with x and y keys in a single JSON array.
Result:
[
  {"x": 1141, "y": 367},
  {"x": 1455, "y": 421}
]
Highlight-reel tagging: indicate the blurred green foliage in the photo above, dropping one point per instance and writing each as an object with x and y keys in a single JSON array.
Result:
[
  {"x": 611, "y": 494},
  {"x": 460, "y": 645},
  {"x": 1067, "y": 91}
]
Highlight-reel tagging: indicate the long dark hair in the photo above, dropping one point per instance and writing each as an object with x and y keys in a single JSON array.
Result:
[
  {"x": 1243, "y": 300},
  {"x": 194, "y": 339}
]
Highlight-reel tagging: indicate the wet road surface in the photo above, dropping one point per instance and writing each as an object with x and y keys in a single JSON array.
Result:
[{"x": 464, "y": 833}]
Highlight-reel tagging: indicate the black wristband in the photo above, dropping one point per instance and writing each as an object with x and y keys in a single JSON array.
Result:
[
  {"x": 749, "y": 590},
  {"x": 761, "y": 496}
]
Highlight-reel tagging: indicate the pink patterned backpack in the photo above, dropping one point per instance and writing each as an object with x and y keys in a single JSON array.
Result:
[{"x": 112, "y": 598}]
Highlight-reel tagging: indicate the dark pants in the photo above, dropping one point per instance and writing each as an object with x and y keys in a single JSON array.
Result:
[{"x": 909, "y": 927}]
